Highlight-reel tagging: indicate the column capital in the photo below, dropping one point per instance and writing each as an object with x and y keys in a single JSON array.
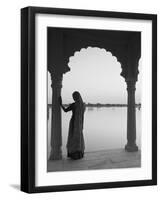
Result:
[
  {"x": 131, "y": 80},
  {"x": 131, "y": 84},
  {"x": 56, "y": 78},
  {"x": 54, "y": 73}
]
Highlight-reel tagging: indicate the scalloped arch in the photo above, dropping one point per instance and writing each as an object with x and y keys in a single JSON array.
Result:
[{"x": 107, "y": 50}]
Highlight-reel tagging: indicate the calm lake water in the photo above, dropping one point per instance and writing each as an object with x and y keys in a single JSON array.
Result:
[{"x": 104, "y": 128}]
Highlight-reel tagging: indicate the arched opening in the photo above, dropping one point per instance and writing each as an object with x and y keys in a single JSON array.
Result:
[{"x": 95, "y": 73}]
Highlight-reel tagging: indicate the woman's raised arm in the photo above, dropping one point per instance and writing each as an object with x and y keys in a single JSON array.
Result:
[{"x": 65, "y": 109}]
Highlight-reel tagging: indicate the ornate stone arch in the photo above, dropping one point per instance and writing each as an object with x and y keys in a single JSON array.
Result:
[{"x": 64, "y": 42}]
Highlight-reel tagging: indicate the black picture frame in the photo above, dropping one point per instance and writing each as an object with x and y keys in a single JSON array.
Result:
[{"x": 28, "y": 99}]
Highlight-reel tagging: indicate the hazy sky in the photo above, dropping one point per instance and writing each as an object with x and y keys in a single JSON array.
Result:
[{"x": 95, "y": 73}]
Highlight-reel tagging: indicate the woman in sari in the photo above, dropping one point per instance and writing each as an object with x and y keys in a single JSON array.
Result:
[{"x": 75, "y": 143}]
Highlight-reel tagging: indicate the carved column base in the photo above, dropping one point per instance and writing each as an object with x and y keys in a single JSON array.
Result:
[
  {"x": 55, "y": 154},
  {"x": 131, "y": 147}
]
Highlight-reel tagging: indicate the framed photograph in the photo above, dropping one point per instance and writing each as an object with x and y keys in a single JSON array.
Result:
[{"x": 88, "y": 99}]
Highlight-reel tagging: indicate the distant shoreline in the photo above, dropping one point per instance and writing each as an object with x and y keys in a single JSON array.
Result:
[{"x": 99, "y": 105}]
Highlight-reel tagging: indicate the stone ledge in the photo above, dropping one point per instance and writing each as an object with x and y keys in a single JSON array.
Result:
[{"x": 103, "y": 159}]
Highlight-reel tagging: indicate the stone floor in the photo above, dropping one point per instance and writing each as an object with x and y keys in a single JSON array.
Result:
[{"x": 104, "y": 159}]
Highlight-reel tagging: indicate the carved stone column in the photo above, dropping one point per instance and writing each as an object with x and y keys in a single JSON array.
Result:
[
  {"x": 56, "y": 135},
  {"x": 131, "y": 117}
]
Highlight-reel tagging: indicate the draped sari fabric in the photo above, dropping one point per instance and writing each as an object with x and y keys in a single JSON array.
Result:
[{"x": 75, "y": 143}]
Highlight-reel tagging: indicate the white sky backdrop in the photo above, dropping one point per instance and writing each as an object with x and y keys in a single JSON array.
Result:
[{"x": 95, "y": 73}]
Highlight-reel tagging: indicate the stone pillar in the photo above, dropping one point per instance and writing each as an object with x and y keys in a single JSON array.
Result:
[
  {"x": 56, "y": 135},
  {"x": 131, "y": 117}
]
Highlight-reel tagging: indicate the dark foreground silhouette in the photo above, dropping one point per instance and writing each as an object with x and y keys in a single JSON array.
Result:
[{"x": 75, "y": 143}]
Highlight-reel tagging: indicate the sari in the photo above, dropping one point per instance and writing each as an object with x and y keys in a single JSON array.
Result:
[{"x": 75, "y": 142}]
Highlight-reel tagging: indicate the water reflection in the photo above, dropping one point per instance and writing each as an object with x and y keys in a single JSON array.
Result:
[
  {"x": 104, "y": 128},
  {"x": 90, "y": 108}
]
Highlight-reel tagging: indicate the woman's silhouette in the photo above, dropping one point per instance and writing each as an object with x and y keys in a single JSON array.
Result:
[{"x": 75, "y": 143}]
